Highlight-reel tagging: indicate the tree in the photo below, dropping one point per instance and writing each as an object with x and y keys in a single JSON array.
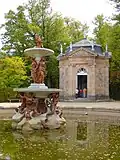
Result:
[
  {"x": 38, "y": 11},
  {"x": 56, "y": 32},
  {"x": 117, "y": 6},
  {"x": 12, "y": 72},
  {"x": 12, "y": 75},
  {"x": 106, "y": 33},
  {"x": 75, "y": 29},
  {"x": 102, "y": 30},
  {"x": 20, "y": 28},
  {"x": 52, "y": 78},
  {"x": 37, "y": 17},
  {"x": 117, "y": 2},
  {"x": 114, "y": 44},
  {"x": 17, "y": 34},
  {"x": 115, "y": 61}
]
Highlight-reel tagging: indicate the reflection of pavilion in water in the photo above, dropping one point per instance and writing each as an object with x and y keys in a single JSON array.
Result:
[
  {"x": 94, "y": 134},
  {"x": 90, "y": 132}
]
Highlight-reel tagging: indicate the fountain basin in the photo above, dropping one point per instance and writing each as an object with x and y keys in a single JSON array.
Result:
[
  {"x": 38, "y": 52},
  {"x": 38, "y": 110},
  {"x": 39, "y": 92}
]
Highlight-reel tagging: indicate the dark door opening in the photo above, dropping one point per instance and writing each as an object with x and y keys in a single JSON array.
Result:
[{"x": 82, "y": 85}]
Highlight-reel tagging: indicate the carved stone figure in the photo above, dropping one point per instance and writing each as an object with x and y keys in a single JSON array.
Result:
[
  {"x": 38, "y": 70},
  {"x": 34, "y": 70},
  {"x": 41, "y": 71},
  {"x": 41, "y": 107},
  {"x": 38, "y": 113},
  {"x": 54, "y": 98},
  {"x": 38, "y": 41}
]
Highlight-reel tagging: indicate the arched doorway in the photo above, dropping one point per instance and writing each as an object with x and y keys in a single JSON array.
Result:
[{"x": 81, "y": 80}]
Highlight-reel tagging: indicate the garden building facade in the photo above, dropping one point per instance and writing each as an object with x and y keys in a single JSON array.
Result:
[{"x": 85, "y": 68}]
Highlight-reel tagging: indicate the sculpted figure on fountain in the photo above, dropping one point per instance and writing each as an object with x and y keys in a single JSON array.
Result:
[
  {"x": 38, "y": 41},
  {"x": 38, "y": 112},
  {"x": 38, "y": 70}
]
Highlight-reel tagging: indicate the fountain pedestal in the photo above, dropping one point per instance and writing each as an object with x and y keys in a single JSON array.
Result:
[
  {"x": 36, "y": 85},
  {"x": 38, "y": 107}
]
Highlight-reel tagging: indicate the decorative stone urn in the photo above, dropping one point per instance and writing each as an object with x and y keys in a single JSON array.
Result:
[{"x": 38, "y": 109}]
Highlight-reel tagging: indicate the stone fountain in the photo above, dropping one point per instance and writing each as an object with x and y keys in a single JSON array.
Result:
[{"x": 38, "y": 109}]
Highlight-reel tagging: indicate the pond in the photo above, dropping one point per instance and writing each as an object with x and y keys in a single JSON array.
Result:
[{"x": 82, "y": 139}]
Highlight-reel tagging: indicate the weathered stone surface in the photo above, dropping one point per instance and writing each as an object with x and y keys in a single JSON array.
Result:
[
  {"x": 97, "y": 68},
  {"x": 55, "y": 122},
  {"x": 17, "y": 117},
  {"x": 38, "y": 113}
]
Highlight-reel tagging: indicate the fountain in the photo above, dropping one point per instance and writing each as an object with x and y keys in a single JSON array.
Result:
[{"x": 38, "y": 109}]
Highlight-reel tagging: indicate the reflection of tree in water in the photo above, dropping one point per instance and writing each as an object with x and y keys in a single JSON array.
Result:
[
  {"x": 27, "y": 146},
  {"x": 82, "y": 131},
  {"x": 53, "y": 145}
]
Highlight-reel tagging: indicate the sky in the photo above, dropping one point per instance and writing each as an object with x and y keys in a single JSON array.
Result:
[{"x": 83, "y": 10}]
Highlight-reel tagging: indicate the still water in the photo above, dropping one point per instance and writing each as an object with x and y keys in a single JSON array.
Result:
[{"x": 82, "y": 139}]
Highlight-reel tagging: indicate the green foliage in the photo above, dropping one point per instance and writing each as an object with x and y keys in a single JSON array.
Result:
[
  {"x": 102, "y": 30},
  {"x": 52, "y": 72},
  {"x": 55, "y": 32},
  {"x": 75, "y": 29},
  {"x": 117, "y": 6},
  {"x": 7, "y": 93},
  {"x": 106, "y": 33},
  {"x": 38, "y": 11},
  {"x": 20, "y": 28},
  {"x": 12, "y": 75},
  {"x": 37, "y": 17},
  {"x": 12, "y": 72},
  {"x": 114, "y": 45},
  {"x": 17, "y": 36}
]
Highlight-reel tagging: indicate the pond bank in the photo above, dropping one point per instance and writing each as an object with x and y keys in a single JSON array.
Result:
[
  {"x": 75, "y": 105},
  {"x": 77, "y": 108}
]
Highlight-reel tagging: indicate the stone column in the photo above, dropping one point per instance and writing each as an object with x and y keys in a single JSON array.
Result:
[
  {"x": 106, "y": 80},
  {"x": 74, "y": 79},
  {"x": 91, "y": 82},
  {"x": 61, "y": 81},
  {"x": 70, "y": 81},
  {"x": 66, "y": 82}
]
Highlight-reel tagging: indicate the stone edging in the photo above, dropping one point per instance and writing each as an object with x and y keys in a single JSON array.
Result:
[
  {"x": 75, "y": 109},
  {"x": 92, "y": 109},
  {"x": 2, "y": 107}
]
